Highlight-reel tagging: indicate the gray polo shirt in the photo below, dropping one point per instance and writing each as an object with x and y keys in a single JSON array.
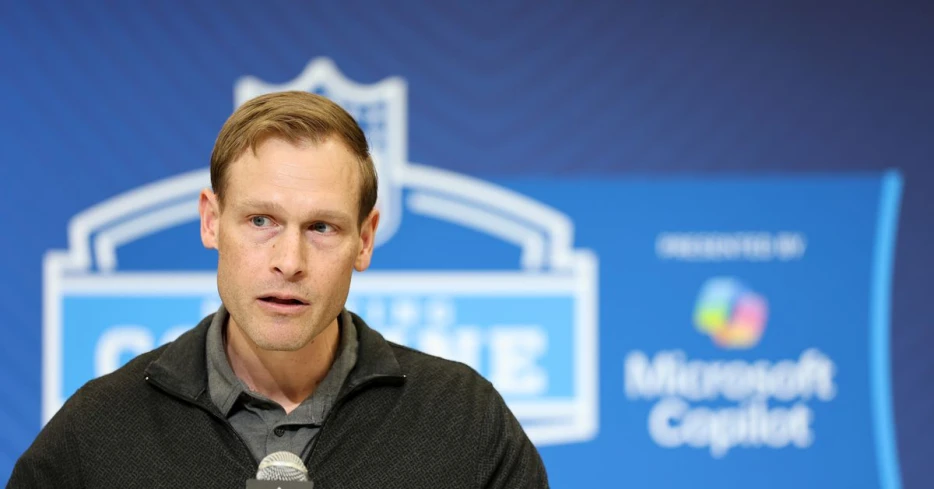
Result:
[{"x": 261, "y": 422}]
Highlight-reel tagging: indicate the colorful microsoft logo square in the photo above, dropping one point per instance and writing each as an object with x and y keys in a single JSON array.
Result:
[{"x": 730, "y": 313}]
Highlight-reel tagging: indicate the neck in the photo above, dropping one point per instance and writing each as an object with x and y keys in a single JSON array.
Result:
[{"x": 286, "y": 377}]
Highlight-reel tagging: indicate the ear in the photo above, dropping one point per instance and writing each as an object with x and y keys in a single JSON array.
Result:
[
  {"x": 210, "y": 215},
  {"x": 367, "y": 239}
]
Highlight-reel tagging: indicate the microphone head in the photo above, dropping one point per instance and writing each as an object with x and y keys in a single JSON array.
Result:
[{"x": 282, "y": 466}]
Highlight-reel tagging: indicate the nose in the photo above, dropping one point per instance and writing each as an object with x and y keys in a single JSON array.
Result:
[{"x": 289, "y": 255}]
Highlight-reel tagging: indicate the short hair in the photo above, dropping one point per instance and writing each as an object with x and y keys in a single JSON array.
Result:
[{"x": 297, "y": 117}]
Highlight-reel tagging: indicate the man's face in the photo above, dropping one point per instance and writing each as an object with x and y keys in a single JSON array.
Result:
[{"x": 288, "y": 239}]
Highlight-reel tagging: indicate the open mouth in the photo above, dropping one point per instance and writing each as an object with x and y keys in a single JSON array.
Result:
[{"x": 279, "y": 300}]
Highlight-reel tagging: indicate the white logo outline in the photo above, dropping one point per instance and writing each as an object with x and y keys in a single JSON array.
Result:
[{"x": 549, "y": 264}]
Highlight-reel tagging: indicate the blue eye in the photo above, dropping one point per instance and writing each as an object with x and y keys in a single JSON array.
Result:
[
  {"x": 321, "y": 227},
  {"x": 260, "y": 221}
]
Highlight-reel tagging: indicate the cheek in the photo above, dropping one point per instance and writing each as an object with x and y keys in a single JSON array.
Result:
[
  {"x": 348, "y": 257},
  {"x": 332, "y": 266},
  {"x": 237, "y": 256}
]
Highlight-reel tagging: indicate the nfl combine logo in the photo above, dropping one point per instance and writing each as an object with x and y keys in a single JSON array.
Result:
[{"x": 530, "y": 330}]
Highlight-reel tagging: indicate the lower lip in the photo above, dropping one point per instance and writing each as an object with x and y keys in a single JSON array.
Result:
[{"x": 280, "y": 308}]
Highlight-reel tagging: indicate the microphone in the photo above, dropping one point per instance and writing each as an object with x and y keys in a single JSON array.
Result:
[
  {"x": 281, "y": 470},
  {"x": 282, "y": 466}
]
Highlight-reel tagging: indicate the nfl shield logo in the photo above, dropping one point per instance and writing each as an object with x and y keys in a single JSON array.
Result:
[{"x": 379, "y": 109}]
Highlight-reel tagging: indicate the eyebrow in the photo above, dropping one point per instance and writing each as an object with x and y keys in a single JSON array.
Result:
[{"x": 275, "y": 207}]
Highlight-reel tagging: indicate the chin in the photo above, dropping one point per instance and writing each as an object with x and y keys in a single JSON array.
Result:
[{"x": 280, "y": 344}]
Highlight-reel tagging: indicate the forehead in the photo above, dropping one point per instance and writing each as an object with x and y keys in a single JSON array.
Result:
[{"x": 297, "y": 173}]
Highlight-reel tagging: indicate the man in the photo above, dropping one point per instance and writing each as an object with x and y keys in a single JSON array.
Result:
[{"x": 282, "y": 365}]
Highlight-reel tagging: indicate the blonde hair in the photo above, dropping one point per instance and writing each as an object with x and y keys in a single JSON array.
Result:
[{"x": 297, "y": 117}]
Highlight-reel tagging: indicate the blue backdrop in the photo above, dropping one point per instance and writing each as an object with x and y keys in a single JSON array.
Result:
[{"x": 708, "y": 223}]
